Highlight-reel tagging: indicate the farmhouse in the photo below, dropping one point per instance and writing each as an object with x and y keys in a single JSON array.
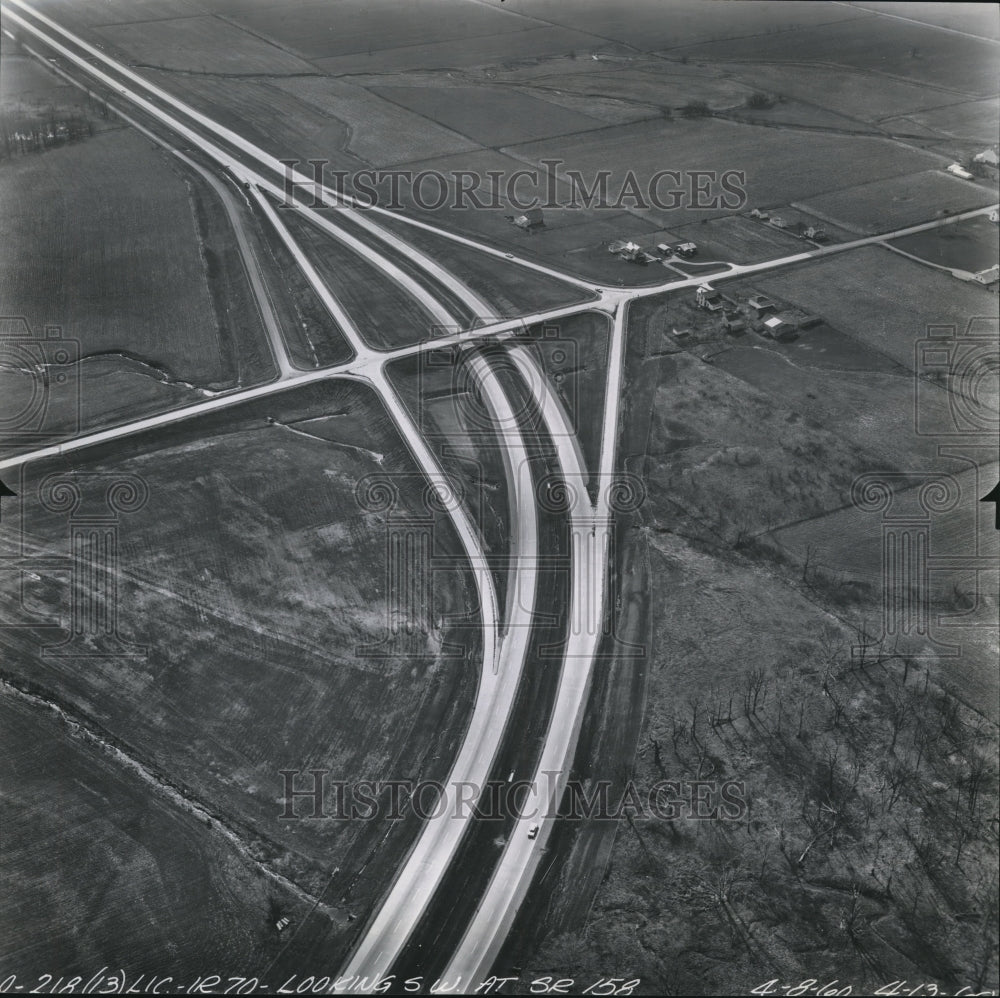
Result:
[
  {"x": 987, "y": 277},
  {"x": 687, "y": 249},
  {"x": 630, "y": 251},
  {"x": 780, "y": 329},
  {"x": 815, "y": 233},
  {"x": 734, "y": 324},
  {"x": 760, "y": 305},
  {"x": 988, "y": 156},
  {"x": 759, "y": 213},
  {"x": 531, "y": 219},
  {"x": 708, "y": 298}
]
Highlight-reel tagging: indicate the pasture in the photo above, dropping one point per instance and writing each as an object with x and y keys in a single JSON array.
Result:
[
  {"x": 884, "y": 300},
  {"x": 898, "y": 202},
  {"x": 256, "y": 581},
  {"x": 513, "y": 290},
  {"x": 738, "y": 239},
  {"x": 651, "y": 26},
  {"x": 386, "y": 316},
  {"x": 969, "y": 245},
  {"x": 130, "y": 265},
  {"x": 490, "y": 117},
  {"x": 878, "y": 45},
  {"x": 780, "y": 165},
  {"x": 101, "y": 869},
  {"x": 317, "y": 31},
  {"x": 535, "y": 43},
  {"x": 845, "y": 90},
  {"x": 378, "y": 131},
  {"x": 110, "y": 254},
  {"x": 971, "y": 122},
  {"x": 199, "y": 45}
]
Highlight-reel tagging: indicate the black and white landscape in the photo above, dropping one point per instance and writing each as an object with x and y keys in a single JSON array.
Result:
[{"x": 499, "y": 497}]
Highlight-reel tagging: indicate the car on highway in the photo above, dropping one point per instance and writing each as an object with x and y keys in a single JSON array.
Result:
[{"x": 533, "y": 832}]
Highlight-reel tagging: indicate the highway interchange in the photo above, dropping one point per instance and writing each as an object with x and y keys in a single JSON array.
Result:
[{"x": 506, "y": 630}]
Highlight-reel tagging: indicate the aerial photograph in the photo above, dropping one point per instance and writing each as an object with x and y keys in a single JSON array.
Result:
[{"x": 499, "y": 497}]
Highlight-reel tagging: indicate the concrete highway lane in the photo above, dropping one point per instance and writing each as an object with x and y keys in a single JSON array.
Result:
[
  {"x": 386, "y": 933},
  {"x": 590, "y": 531},
  {"x": 454, "y": 901}
]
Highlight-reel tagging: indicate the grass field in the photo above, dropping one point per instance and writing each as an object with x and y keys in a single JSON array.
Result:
[
  {"x": 646, "y": 27},
  {"x": 651, "y": 82},
  {"x": 379, "y": 131},
  {"x": 385, "y": 315},
  {"x": 827, "y": 379},
  {"x": 895, "y": 203},
  {"x": 490, "y": 117},
  {"x": 512, "y": 290},
  {"x": 442, "y": 399},
  {"x": 100, "y": 869},
  {"x": 739, "y": 240},
  {"x": 847, "y": 541},
  {"x": 142, "y": 290},
  {"x": 733, "y": 456},
  {"x": 200, "y": 44},
  {"x": 751, "y": 680},
  {"x": 844, "y": 90},
  {"x": 312, "y": 29},
  {"x": 119, "y": 11},
  {"x": 267, "y": 115},
  {"x": 573, "y": 354},
  {"x": 808, "y": 164},
  {"x": 30, "y": 93},
  {"x": 973, "y": 18},
  {"x": 541, "y": 42},
  {"x": 256, "y": 606},
  {"x": 310, "y": 334},
  {"x": 972, "y": 121},
  {"x": 142, "y": 275},
  {"x": 881, "y": 298},
  {"x": 970, "y": 245},
  {"x": 958, "y": 63},
  {"x": 145, "y": 278}
]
